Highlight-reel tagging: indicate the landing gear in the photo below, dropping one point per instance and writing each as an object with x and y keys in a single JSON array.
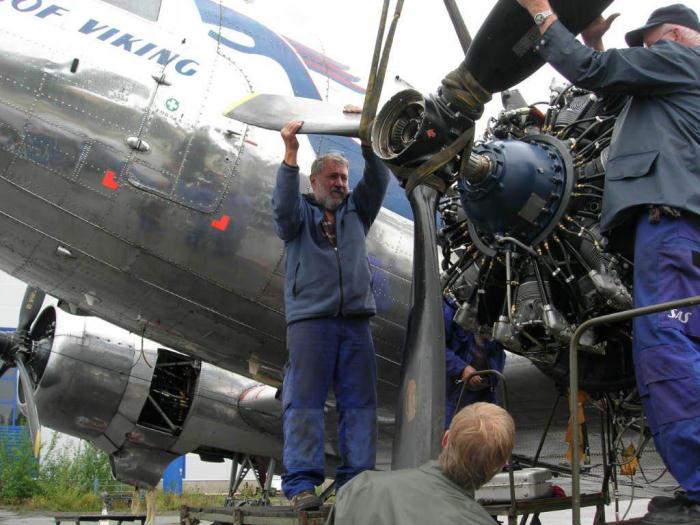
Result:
[{"x": 263, "y": 470}]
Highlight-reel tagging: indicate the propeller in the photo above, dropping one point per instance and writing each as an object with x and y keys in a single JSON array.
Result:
[
  {"x": 30, "y": 406},
  {"x": 420, "y": 412},
  {"x": 16, "y": 350},
  {"x": 31, "y": 306},
  {"x": 501, "y": 54},
  {"x": 4, "y": 368},
  {"x": 274, "y": 111}
]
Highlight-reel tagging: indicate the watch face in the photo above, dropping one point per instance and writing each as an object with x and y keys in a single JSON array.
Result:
[{"x": 539, "y": 19}]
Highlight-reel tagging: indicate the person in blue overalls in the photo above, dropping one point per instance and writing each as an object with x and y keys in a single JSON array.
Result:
[
  {"x": 328, "y": 303},
  {"x": 466, "y": 353},
  {"x": 652, "y": 186}
]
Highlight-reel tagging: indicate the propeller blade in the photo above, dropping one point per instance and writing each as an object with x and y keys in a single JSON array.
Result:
[
  {"x": 420, "y": 411},
  {"x": 7, "y": 344},
  {"x": 31, "y": 305},
  {"x": 30, "y": 406},
  {"x": 502, "y": 54},
  {"x": 274, "y": 111}
]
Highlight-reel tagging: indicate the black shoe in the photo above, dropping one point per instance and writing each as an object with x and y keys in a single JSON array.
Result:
[
  {"x": 662, "y": 503},
  {"x": 307, "y": 500},
  {"x": 678, "y": 514}
]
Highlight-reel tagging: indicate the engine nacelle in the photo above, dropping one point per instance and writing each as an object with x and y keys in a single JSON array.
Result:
[{"x": 142, "y": 404}]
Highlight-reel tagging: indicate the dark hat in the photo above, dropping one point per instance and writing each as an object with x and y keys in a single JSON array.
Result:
[{"x": 671, "y": 14}]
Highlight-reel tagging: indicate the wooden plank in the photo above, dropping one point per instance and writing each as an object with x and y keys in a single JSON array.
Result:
[
  {"x": 277, "y": 515},
  {"x": 212, "y": 516},
  {"x": 266, "y": 520}
]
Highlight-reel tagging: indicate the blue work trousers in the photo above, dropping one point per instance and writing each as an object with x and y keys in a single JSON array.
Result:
[
  {"x": 667, "y": 345},
  {"x": 335, "y": 350}
]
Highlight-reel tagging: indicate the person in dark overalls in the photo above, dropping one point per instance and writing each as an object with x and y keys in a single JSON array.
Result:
[
  {"x": 465, "y": 353},
  {"x": 652, "y": 191},
  {"x": 328, "y": 303}
]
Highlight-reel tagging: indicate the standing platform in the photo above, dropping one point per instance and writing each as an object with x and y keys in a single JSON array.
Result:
[{"x": 284, "y": 515}]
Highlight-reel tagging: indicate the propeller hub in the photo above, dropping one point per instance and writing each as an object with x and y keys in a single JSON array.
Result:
[
  {"x": 520, "y": 195},
  {"x": 410, "y": 129}
]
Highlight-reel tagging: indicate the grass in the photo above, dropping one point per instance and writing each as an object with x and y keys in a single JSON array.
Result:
[{"x": 71, "y": 479}]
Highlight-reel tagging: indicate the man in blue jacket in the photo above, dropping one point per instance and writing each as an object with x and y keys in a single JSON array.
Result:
[
  {"x": 652, "y": 183},
  {"x": 466, "y": 353},
  {"x": 328, "y": 302}
]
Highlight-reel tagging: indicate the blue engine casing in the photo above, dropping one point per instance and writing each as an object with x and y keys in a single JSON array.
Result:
[{"x": 528, "y": 185}]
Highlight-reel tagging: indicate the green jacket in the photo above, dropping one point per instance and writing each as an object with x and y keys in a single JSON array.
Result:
[{"x": 422, "y": 495}]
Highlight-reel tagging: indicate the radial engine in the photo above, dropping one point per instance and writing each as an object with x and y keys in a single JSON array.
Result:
[{"x": 523, "y": 255}]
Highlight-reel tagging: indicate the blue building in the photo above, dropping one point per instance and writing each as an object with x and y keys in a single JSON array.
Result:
[{"x": 173, "y": 476}]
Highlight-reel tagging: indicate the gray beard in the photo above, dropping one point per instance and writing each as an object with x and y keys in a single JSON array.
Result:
[{"x": 331, "y": 204}]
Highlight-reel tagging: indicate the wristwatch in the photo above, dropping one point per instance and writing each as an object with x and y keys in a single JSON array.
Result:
[{"x": 542, "y": 16}]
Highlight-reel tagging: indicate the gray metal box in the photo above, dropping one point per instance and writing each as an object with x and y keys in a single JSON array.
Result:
[{"x": 530, "y": 483}]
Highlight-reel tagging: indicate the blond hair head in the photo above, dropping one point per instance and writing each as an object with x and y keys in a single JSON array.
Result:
[{"x": 479, "y": 443}]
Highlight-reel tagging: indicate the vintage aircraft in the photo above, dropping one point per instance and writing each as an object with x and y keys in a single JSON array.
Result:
[{"x": 127, "y": 193}]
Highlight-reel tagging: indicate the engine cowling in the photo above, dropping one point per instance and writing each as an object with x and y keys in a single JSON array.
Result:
[{"x": 143, "y": 404}]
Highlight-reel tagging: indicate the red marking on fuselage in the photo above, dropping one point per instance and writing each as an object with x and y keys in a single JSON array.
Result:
[
  {"x": 220, "y": 224},
  {"x": 109, "y": 182},
  {"x": 250, "y": 142}
]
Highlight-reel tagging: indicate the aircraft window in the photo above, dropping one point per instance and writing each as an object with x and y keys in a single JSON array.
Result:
[{"x": 145, "y": 8}]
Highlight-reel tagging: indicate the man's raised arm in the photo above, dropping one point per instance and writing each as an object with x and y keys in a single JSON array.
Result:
[{"x": 286, "y": 208}]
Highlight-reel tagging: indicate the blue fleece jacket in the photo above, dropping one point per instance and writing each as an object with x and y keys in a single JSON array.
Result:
[{"x": 323, "y": 281}]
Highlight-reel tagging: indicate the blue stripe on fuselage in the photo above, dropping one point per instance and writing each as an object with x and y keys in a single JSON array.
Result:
[{"x": 268, "y": 43}]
